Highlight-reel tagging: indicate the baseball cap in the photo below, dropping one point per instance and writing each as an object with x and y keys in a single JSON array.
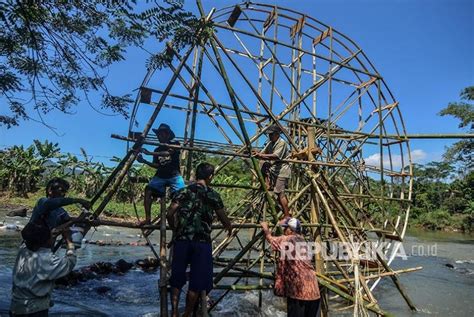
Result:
[{"x": 292, "y": 223}]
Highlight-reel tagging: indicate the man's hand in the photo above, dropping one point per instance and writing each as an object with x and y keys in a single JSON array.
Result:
[
  {"x": 256, "y": 154},
  {"x": 283, "y": 220},
  {"x": 85, "y": 203},
  {"x": 67, "y": 237},
  {"x": 140, "y": 159}
]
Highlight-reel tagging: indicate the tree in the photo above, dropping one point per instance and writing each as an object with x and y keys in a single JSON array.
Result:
[
  {"x": 462, "y": 151},
  {"x": 53, "y": 54},
  {"x": 21, "y": 169}
]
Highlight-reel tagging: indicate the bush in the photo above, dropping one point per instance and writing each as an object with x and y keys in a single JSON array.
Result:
[
  {"x": 22, "y": 169},
  {"x": 435, "y": 220}
]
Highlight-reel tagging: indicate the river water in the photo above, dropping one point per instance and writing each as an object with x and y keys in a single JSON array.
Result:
[{"x": 445, "y": 286}]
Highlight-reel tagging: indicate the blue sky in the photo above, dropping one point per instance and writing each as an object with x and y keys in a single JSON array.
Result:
[{"x": 423, "y": 48}]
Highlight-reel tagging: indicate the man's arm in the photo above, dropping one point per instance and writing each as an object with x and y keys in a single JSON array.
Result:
[
  {"x": 54, "y": 203},
  {"x": 221, "y": 214},
  {"x": 263, "y": 156},
  {"x": 275, "y": 242},
  {"x": 170, "y": 214},
  {"x": 62, "y": 266},
  {"x": 266, "y": 230},
  {"x": 154, "y": 165}
]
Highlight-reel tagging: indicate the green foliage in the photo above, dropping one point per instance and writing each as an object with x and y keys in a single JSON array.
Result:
[
  {"x": 435, "y": 220},
  {"x": 21, "y": 169},
  {"x": 24, "y": 170},
  {"x": 462, "y": 151},
  {"x": 439, "y": 201},
  {"x": 54, "y": 53}
]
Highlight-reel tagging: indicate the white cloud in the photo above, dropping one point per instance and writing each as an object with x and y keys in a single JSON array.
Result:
[{"x": 417, "y": 156}]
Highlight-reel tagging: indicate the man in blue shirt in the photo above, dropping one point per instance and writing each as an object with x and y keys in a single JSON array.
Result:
[{"x": 48, "y": 210}]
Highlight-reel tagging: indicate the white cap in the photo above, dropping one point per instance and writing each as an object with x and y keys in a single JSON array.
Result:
[{"x": 293, "y": 223}]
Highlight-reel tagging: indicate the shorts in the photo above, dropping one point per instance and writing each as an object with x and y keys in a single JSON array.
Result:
[
  {"x": 279, "y": 184},
  {"x": 158, "y": 185},
  {"x": 199, "y": 256}
]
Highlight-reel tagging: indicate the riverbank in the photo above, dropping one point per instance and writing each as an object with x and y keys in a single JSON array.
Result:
[
  {"x": 445, "y": 286},
  {"x": 126, "y": 211}
]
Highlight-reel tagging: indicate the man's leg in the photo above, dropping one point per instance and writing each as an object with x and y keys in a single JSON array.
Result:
[
  {"x": 191, "y": 301},
  {"x": 295, "y": 308},
  {"x": 284, "y": 204},
  {"x": 156, "y": 188},
  {"x": 175, "y": 292},
  {"x": 279, "y": 189},
  {"x": 147, "y": 204},
  {"x": 311, "y": 308},
  {"x": 176, "y": 183},
  {"x": 179, "y": 264},
  {"x": 201, "y": 273}
]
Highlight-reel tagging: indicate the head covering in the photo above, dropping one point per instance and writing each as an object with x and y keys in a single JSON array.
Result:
[
  {"x": 35, "y": 235},
  {"x": 273, "y": 128},
  {"x": 292, "y": 223},
  {"x": 165, "y": 127}
]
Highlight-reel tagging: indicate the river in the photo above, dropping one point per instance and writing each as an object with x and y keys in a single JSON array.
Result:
[{"x": 445, "y": 286}]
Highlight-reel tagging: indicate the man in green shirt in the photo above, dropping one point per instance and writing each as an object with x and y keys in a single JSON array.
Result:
[
  {"x": 278, "y": 171},
  {"x": 191, "y": 214}
]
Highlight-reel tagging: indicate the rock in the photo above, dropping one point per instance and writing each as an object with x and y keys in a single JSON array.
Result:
[
  {"x": 147, "y": 264},
  {"x": 20, "y": 212},
  {"x": 101, "y": 290},
  {"x": 102, "y": 268},
  {"x": 123, "y": 266}
]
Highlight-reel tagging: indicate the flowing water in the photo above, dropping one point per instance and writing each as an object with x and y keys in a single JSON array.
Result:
[{"x": 445, "y": 286}]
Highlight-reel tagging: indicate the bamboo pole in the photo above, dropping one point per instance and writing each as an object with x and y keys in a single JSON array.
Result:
[
  {"x": 137, "y": 146},
  {"x": 244, "y": 130},
  {"x": 163, "y": 261},
  {"x": 194, "y": 111},
  {"x": 376, "y": 276}
]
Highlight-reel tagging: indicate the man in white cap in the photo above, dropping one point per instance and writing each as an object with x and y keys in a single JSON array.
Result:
[{"x": 295, "y": 277}]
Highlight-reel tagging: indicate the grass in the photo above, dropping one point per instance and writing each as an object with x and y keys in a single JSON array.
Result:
[{"x": 113, "y": 209}]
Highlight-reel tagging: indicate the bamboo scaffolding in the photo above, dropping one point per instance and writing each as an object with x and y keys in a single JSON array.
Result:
[{"x": 301, "y": 66}]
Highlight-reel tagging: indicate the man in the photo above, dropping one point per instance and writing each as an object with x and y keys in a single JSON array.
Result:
[
  {"x": 36, "y": 268},
  {"x": 190, "y": 215},
  {"x": 278, "y": 171},
  {"x": 295, "y": 278},
  {"x": 49, "y": 209},
  {"x": 166, "y": 163}
]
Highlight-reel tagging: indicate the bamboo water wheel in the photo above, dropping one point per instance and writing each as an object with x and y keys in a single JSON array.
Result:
[{"x": 351, "y": 178}]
